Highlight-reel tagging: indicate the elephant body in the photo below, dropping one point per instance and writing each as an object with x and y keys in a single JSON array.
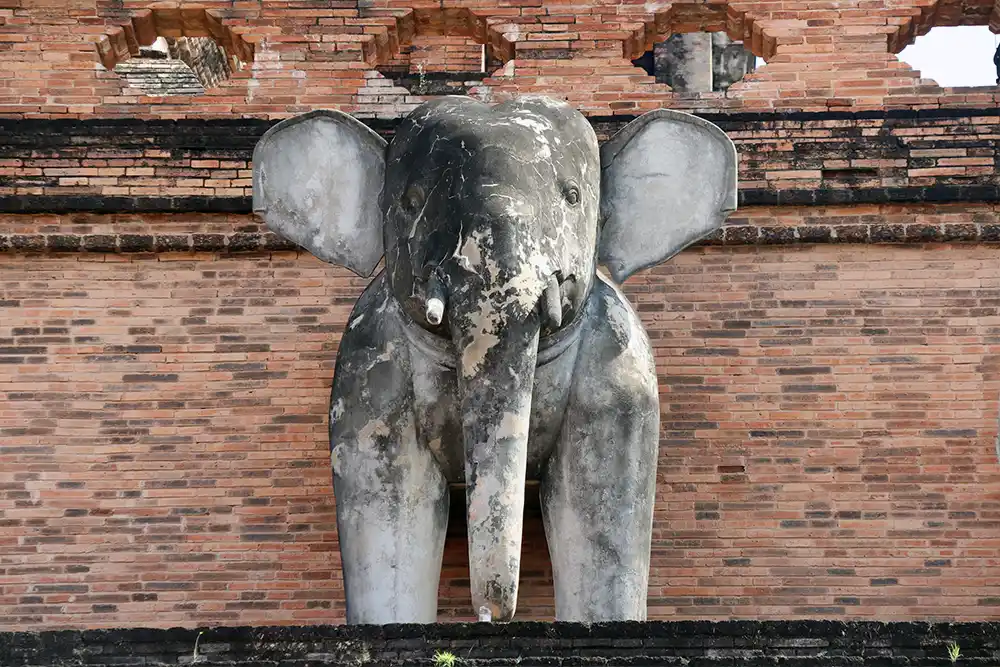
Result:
[
  {"x": 592, "y": 444},
  {"x": 491, "y": 351}
]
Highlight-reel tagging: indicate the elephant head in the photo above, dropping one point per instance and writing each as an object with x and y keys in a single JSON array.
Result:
[{"x": 492, "y": 222}]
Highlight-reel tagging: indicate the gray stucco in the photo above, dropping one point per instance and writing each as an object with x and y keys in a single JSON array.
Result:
[
  {"x": 490, "y": 351},
  {"x": 684, "y": 62},
  {"x": 699, "y": 62},
  {"x": 664, "y": 163},
  {"x": 316, "y": 180}
]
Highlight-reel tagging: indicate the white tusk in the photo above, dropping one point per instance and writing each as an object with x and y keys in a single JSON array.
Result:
[
  {"x": 435, "y": 311},
  {"x": 552, "y": 302}
]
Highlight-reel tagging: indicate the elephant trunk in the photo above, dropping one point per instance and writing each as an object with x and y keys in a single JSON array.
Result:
[{"x": 497, "y": 348}]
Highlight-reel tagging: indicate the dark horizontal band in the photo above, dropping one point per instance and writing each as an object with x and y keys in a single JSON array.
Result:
[
  {"x": 843, "y": 642},
  {"x": 734, "y": 235},
  {"x": 243, "y": 132},
  {"x": 234, "y": 139},
  {"x": 931, "y": 194},
  {"x": 986, "y": 194},
  {"x": 102, "y": 204},
  {"x": 237, "y": 242}
]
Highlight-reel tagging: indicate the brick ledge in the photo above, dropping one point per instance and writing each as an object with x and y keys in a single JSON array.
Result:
[
  {"x": 733, "y": 235},
  {"x": 937, "y": 194}
]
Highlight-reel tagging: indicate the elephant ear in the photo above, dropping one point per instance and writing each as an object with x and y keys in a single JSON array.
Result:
[
  {"x": 667, "y": 179},
  {"x": 317, "y": 180}
]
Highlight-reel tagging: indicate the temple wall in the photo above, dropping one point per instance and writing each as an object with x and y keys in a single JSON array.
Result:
[{"x": 828, "y": 362}]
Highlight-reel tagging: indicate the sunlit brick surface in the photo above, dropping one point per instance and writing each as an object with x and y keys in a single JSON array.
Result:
[{"x": 827, "y": 441}]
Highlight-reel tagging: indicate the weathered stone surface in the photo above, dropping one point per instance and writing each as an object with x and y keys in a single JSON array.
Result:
[
  {"x": 490, "y": 351},
  {"x": 731, "y": 61},
  {"x": 185, "y": 66},
  {"x": 744, "y": 643},
  {"x": 698, "y": 62},
  {"x": 156, "y": 76},
  {"x": 684, "y": 62}
]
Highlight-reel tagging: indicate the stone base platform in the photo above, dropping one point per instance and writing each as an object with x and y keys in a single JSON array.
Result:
[{"x": 683, "y": 643}]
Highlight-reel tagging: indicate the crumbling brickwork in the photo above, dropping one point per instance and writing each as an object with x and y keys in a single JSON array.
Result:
[
  {"x": 828, "y": 362},
  {"x": 298, "y": 55}
]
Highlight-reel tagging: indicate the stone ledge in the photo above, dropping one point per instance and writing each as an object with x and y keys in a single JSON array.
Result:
[
  {"x": 733, "y": 235},
  {"x": 691, "y": 643},
  {"x": 938, "y": 194},
  {"x": 239, "y": 242},
  {"x": 242, "y": 133}
]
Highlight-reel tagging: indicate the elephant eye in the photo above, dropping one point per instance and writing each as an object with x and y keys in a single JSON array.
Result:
[
  {"x": 573, "y": 195},
  {"x": 413, "y": 199}
]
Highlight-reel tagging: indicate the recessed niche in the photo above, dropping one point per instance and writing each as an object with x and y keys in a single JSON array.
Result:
[
  {"x": 185, "y": 66},
  {"x": 697, "y": 62},
  {"x": 174, "y": 52},
  {"x": 441, "y": 65}
]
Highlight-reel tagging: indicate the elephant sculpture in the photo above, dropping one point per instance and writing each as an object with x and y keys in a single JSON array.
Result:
[{"x": 491, "y": 350}]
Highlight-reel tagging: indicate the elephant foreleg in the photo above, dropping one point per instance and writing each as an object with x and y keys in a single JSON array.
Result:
[
  {"x": 392, "y": 513},
  {"x": 598, "y": 492},
  {"x": 392, "y": 498}
]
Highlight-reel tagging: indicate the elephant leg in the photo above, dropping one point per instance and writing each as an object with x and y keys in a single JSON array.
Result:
[
  {"x": 599, "y": 487},
  {"x": 392, "y": 513},
  {"x": 392, "y": 498}
]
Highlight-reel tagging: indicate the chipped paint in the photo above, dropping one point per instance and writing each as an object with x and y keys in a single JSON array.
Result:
[
  {"x": 469, "y": 256},
  {"x": 373, "y": 430},
  {"x": 482, "y": 341}
]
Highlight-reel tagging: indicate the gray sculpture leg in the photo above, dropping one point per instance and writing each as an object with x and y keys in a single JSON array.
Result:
[
  {"x": 597, "y": 497},
  {"x": 392, "y": 500}
]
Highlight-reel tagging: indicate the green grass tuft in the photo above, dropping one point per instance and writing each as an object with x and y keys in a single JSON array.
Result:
[
  {"x": 954, "y": 652},
  {"x": 445, "y": 659}
]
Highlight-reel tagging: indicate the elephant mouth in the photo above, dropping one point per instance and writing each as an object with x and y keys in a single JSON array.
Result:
[
  {"x": 441, "y": 349},
  {"x": 560, "y": 323},
  {"x": 553, "y": 306}
]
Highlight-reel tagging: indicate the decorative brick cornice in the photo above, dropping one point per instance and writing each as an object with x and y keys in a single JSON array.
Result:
[
  {"x": 123, "y": 42},
  {"x": 981, "y": 194},
  {"x": 237, "y": 133},
  {"x": 732, "y": 235}
]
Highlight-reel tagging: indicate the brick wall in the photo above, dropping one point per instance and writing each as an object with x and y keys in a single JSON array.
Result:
[
  {"x": 829, "y": 417},
  {"x": 828, "y": 362}
]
